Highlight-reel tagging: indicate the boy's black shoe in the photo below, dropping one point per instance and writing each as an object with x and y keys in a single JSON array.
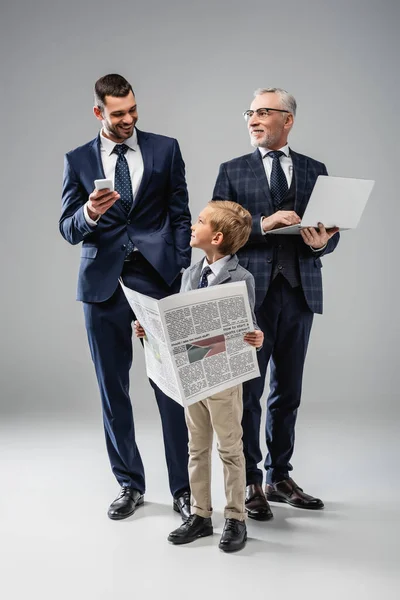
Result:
[
  {"x": 234, "y": 535},
  {"x": 195, "y": 527}
]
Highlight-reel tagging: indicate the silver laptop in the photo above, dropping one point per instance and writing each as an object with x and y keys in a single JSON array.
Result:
[{"x": 335, "y": 202}]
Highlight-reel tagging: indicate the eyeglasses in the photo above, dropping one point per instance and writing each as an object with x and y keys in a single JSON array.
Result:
[{"x": 262, "y": 113}]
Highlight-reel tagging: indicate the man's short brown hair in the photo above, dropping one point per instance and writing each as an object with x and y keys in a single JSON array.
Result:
[
  {"x": 110, "y": 85},
  {"x": 233, "y": 221}
]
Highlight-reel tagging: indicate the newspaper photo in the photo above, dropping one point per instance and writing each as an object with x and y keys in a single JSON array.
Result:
[{"x": 194, "y": 344}]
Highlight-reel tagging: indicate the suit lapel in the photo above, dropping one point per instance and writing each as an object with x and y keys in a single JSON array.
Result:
[
  {"x": 147, "y": 150},
  {"x": 224, "y": 274},
  {"x": 194, "y": 275},
  {"x": 256, "y": 165},
  {"x": 95, "y": 159},
  {"x": 300, "y": 174}
]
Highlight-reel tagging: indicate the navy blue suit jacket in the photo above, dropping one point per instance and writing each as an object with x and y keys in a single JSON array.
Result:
[
  {"x": 158, "y": 223},
  {"x": 243, "y": 180}
]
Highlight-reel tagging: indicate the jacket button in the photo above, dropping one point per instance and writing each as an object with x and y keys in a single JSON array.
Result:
[
  {"x": 128, "y": 222},
  {"x": 280, "y": 267},
  {"x": 123, "y": 247},
  {"x": 269, "y": 260}
]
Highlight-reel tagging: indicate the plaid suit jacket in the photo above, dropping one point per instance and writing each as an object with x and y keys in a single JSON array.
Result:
[{"x": 243, "y": 180}]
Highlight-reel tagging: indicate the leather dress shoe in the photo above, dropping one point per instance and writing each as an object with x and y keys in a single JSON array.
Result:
[
  {"x": 195, "y": 527},
  {"x": 181, "y": 505},
  {"x": 234, "y": 536},
  {"x": 125, "y": 504},
  {"x": 288, "y": 491},
  {"x": 256, "y": 503}
]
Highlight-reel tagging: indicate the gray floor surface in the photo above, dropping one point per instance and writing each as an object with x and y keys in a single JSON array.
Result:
[{"x": 57, "y": 542}]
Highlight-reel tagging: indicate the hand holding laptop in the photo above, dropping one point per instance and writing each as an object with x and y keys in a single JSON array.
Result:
[
  {"x": 335, "y": 202},
  {"x": 317, "y": 238},
  {"x": 281, "y": 218}
]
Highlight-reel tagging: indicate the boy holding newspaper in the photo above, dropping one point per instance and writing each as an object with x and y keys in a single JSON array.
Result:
[{"x": 221, "y": 229}]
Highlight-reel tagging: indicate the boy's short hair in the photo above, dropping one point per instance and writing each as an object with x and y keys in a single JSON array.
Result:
[{"x": 233, "y": 221}]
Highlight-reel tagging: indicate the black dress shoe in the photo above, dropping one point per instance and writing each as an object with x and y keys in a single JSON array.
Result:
[
  {"x": 125, "y": 504},
  {"x": 181, "y": 505},
  {"x": 256, "y": 503},
  {"x": 195, "y": 527},
  {"x": 288, "y": 491},
  {"x": 234, "y": 536}
]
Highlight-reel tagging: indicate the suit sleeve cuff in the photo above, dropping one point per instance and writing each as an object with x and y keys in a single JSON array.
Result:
[
  {"x": 261, "y": 227},
  {"x": 318, "y": 249},
  {"x": 88, "y": 220}
]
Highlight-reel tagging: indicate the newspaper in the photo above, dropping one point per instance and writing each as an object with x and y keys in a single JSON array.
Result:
[{"x": 194, "y": 344}]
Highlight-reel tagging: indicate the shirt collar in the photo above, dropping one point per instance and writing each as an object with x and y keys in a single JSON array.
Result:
[
  {"x": 217, "y": 265},
  {"x": 108, "y": 145},
  {"x": 284, "y": 149}
]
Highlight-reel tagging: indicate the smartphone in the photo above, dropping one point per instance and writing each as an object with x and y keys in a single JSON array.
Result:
[{"x": 104, "y": 184}]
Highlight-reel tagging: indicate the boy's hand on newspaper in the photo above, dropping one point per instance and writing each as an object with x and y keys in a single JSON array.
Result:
[
  {"x": 254, "y": 338},
  {"x": 139, "y": 331}
]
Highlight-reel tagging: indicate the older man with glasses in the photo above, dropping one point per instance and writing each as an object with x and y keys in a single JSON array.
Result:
[{"x": 274, "y": 184}]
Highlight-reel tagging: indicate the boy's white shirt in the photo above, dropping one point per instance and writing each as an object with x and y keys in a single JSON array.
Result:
[{"x": 215, "y": 267}]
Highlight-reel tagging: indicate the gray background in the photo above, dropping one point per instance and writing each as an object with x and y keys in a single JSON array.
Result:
[{"x": 193, "y": 67}]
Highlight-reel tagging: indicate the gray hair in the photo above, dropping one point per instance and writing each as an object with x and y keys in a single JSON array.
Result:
[{"x": 288, "y": 101}]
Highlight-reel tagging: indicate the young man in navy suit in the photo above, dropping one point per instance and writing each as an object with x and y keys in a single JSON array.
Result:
[
  {"x": 274, "y": 184},
  {"x": 140, "y": 232}
]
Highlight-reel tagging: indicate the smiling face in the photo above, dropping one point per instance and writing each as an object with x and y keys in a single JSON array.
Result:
[
  {"x": 118, "y": 117},
  {"x": 273, "y": 130}
]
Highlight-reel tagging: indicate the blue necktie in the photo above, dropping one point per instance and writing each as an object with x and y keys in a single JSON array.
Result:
[
  {"x": 123, "y": 184},
  {"x": 278, "y": 182},
  {"x": 204, "y": 281}
]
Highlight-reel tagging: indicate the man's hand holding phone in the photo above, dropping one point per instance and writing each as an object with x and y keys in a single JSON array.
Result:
[{"x": 102, "y": 198}]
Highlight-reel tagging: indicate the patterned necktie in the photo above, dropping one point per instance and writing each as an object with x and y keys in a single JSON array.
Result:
[
  {"x": 204, "y": 281},
  {"x": 123, "y": 184},
  {"x": 278, "y": 182}
]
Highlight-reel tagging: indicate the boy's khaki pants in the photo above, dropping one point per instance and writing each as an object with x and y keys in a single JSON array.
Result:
[{"x": 221, "y": 413}]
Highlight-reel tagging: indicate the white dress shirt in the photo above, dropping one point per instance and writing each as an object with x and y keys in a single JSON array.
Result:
[
  {"x": 285, "y": 160},
  {"x": 109, "y": 160},
  {"x": 215, "y": 267},
  {"x": 287, "y": 167},
  {"x": 286, "y": 164}
]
